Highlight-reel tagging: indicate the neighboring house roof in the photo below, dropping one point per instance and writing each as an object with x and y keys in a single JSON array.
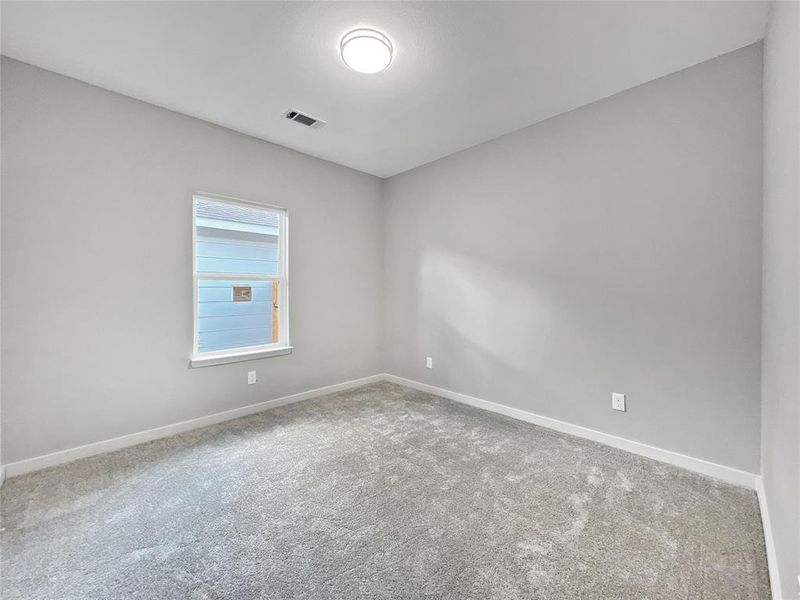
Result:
[{"x": 234, "y": 212}]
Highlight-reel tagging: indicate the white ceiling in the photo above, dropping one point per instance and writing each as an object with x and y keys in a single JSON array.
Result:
[{"x": 463, "y": 73}]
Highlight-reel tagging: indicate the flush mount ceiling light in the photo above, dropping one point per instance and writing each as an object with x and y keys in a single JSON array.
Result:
[{"x": 366, "y": 50}]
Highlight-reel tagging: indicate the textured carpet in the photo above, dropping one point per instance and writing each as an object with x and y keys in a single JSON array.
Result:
[{"x": 378, "y": 492}]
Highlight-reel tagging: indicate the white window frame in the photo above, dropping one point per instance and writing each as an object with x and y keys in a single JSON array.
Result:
[{"x": 282, "y": 346}]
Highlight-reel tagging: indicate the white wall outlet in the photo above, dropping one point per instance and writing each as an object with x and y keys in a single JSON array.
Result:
[
  {"x": 618, "y": 402},
  {"x": 251, "y": 377},
  {"x": 429, "y": 362}
]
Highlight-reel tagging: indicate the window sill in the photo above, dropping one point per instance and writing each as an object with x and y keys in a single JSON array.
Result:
[{"x": 224, "y": 359}]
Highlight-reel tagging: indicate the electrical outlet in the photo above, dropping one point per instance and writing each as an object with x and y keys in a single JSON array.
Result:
[
  {"x": 251, "y": 377},
  {"x": 618, "y": 402},
  {"x": 429, "y": 362}
]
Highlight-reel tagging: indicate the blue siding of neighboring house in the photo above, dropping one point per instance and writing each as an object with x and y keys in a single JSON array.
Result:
[{"x": 222, "y": 323}]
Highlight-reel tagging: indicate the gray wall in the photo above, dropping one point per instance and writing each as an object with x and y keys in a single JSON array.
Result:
[
  {"x": 780, "y": 432},
  {"x": 97, "y": 273},
  {"x": 613, "y": 248}
]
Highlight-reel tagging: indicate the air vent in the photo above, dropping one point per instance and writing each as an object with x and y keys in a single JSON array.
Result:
[{"x": 303, "y": 119}]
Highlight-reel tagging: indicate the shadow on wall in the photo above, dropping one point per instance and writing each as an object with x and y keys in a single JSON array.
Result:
[
  {"x": 559, "y": 343},
  {"x": 494, "y": 328}
]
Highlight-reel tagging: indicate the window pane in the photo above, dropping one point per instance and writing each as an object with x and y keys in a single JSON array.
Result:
[
  {"x": 234, "y": 314},
  {"x": 236, "y": 239}
]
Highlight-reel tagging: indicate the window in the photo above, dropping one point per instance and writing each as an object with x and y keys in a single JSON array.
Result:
[{"x": 240, "y": 285}]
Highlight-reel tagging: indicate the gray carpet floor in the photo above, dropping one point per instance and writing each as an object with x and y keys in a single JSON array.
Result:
[{"x": 377, "y": 492}]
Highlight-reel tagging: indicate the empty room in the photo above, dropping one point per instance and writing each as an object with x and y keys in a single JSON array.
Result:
[{"x": 400, "y": 300}]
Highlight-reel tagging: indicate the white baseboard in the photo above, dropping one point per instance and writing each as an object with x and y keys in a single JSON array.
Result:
[
  {"x": 698, "y": 465},
  {"x": 728, "y": 474},
  {"x": 769, "y": 541},
  {"x": 63, "y": 456}
]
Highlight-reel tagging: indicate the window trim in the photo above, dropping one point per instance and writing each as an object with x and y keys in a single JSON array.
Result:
[{"x": 282, "y": 346}]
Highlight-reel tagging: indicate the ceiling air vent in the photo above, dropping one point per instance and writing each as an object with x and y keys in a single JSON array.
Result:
[{"x": 303, "y": 119}]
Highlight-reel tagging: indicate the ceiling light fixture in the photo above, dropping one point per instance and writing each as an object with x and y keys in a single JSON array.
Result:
[{"x": 366, "y": 50}]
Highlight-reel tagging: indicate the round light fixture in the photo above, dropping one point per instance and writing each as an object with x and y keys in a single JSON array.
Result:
[{"x": 366, "y": 50}]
